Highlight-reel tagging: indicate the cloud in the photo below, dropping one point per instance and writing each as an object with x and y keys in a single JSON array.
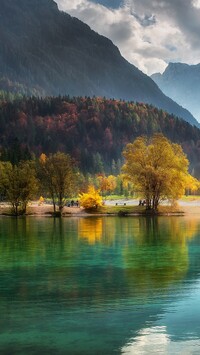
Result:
[
  {"x": 146, "y": 20},
  {"x": 149, "y": 33},
  {"x": 196, "y": 3}
]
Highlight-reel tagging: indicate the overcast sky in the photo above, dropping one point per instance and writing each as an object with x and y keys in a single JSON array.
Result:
[{"x": 149, "y": 33}]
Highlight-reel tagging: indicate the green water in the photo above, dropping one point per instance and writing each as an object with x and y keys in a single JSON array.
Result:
[{"x": 100, "y": 286}]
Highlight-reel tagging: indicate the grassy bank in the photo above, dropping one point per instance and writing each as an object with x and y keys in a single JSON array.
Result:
[{"x": 138, "y": 210}]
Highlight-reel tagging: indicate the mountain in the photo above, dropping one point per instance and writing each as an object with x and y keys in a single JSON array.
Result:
[
  {"x": 93, "y": 131},
  {"x": 52, "y": 53},
  {"x": 181, "y": 82}
]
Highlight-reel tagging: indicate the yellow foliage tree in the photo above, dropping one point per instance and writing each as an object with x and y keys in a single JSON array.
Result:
[
  {"x": 158, "y": 169},
  {"x": 43, "y": 158},
  {"x": 112, "y": 183},
  {"x": 91, "y": 199},
  {"x": 107, "y": 183}
]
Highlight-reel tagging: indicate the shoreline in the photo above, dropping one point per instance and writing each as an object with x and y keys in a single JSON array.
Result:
[{"x": 34, "y": 209}]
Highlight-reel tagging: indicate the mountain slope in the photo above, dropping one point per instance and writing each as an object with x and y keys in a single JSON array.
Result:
[
  {"x": 48, "y": 50},
  {"x": 181, "y": 82}
]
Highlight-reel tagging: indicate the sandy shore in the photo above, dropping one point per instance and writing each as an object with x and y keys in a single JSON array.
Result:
[
  {"x": 190, "y": 209},
  {"x": 34, "y": 208}
]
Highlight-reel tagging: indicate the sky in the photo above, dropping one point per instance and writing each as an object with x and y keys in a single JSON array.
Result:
[{"x": 148, "y": 33}]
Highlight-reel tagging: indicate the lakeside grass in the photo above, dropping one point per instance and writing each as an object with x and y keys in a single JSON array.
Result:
[
  {"x": 141, "y": 210},
  {"x": 123, "y": 209},
  {"x": 119, "y": 197},
  {"x": 190, "y": 198}
]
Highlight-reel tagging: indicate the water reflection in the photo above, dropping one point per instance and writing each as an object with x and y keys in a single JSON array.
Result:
[
  {"x": 97, "y": 282},
  {"x": 160, "y": 255},
  {"x": 94, "y": 230},
  {"x": 143, "y": 254},
  {"x": 91, "y": 229},
  {"x": 155, "y": 250},
  {"x": 155, "y": 340}
]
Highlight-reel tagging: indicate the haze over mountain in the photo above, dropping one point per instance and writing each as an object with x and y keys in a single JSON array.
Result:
[
  {"x": 46, "y": 49},
  {"x": 181, "y": 82}
]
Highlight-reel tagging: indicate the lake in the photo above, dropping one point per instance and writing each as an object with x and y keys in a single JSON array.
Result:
[{"x": 100, "y": 285}]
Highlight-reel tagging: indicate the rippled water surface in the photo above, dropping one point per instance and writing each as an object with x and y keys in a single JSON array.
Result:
[{"x": 100, "y": 286}]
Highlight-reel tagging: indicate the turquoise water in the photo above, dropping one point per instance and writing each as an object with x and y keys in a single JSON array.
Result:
[{"x": 100, "y": 285}]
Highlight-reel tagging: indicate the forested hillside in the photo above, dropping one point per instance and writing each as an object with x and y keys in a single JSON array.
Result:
[
  {"x": 47, "y": 52},
  {"x": 94, "y": 131}
]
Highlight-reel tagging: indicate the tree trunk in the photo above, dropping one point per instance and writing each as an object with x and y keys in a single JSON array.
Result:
[
  {"x": 16, "y": 209},
  {"x": 54, "y": 207},
  {"x": 24, "y": 207},
  {"x": 155, "y": 203},
  {"x": 148, "y": 203},
  {"x": 60, "y": 202}
]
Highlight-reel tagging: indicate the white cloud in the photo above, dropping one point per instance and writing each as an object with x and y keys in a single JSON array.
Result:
[
  {"x": 149, "y": 33},
  {"x": 196, "y": 3}
]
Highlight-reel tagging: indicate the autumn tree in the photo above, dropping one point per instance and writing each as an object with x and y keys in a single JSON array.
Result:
[
  {"x": 58, "y": 177},
  {"x": 91, "y": 199},
  {"x": 106, "y": 183},
  {"x": 158, "y": 169},
  {"x": 19, "y": 183}
]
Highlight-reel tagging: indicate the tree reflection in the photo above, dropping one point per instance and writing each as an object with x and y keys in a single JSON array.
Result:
[
  {"x": 93, "y": 272},
  {"x": 91, "y": 229},
  {"x": 160, "y": 254},
  {"x": 95, "y": 258},
  {"x": 96, "y": 230}
]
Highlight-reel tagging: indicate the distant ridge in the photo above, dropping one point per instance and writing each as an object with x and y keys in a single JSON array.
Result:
[
  {"x": 47, "y": 50},
  {"x": 181, "y": 82}
]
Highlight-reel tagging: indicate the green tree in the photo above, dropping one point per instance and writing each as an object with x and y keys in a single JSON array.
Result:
[
  {"x": 158, "y": 169},
  {"x": 58, "y": 177},
  {"x": 19, "y": 183}
]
